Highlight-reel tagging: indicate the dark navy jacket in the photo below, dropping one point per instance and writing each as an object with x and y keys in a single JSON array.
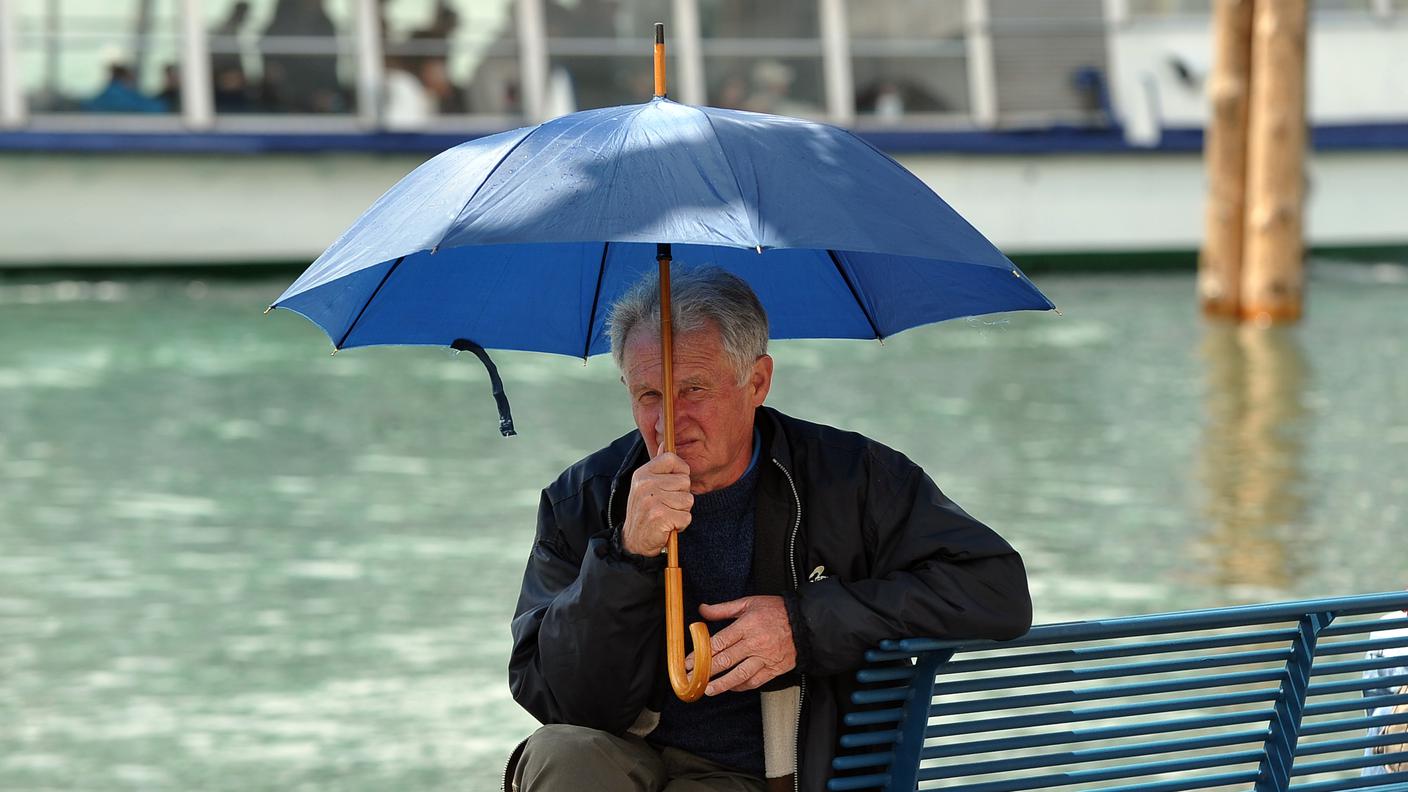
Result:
[{"x": 859, "y": 541}]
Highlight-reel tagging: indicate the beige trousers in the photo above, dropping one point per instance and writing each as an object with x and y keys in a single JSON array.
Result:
[{"x": 563, "y": 758}]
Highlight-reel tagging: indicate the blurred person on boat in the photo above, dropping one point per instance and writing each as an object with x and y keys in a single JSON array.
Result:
[
  {"x": 804, "y": 546},
  {"x": 430, "y": 60},
  {"x": 232, "y": 89},
  {"x": 121, "y": 94},
  {"x": 297, "y": 81}
]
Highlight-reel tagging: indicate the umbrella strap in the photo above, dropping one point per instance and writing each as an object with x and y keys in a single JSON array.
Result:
[{"x": 505, "y": 416}]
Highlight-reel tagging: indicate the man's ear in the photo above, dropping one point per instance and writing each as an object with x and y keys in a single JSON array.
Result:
[{"x": 761, "y": 379}]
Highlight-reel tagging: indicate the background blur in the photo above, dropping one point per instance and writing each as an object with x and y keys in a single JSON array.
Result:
[{"x": 229, "y": 561}]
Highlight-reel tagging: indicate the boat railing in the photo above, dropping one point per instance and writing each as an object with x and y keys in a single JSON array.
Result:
[{"x": 880, "y": 64}]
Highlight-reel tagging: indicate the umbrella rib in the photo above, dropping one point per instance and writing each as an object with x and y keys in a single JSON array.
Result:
[
  {"x": 353, "y": 326},
  {"x": 855, "y": 294},
  {"x": 487, "y": 177},
  {"x": 596, "y": 296},
  {"x": 755, "y": 220}
]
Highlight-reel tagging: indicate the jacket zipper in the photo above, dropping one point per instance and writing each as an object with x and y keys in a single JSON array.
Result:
[
  {"x": 508, "y": 763},
  {"x": 610, "y": 502},
  {"x": 802, "y": 692}
]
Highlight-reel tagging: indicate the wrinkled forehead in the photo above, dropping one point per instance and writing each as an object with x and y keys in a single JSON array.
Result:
[{"x": 696, "y": 349}]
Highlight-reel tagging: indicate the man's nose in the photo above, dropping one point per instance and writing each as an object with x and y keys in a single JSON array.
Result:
[{"x": 660, "y": 418}]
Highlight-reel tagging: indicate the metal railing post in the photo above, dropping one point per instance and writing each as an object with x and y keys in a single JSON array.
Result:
[
  {"x": 12, "y": 104},
  {"x": 904, "y": 768},
  {"x": 1116, "y": 14},
  {"x": 532, "y": 59},
  {"x": 1274, "y": 775},
  {"x": 197, "y": 90},
  {"x": 836, "y": 62},
  {"x": 689, "y": 52},
  {"x": 982, "y": 70},
  {"x": 370, "y": 62}
]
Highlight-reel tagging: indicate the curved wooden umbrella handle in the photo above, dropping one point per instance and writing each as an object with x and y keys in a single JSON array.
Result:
[{"x": 688, "y": 687}]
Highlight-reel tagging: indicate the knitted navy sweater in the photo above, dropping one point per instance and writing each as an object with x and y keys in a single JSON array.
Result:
[{"x": 717, "y": 555}]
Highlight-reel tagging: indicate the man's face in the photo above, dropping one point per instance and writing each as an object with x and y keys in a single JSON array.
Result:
[{"x": 713, "y": 413}]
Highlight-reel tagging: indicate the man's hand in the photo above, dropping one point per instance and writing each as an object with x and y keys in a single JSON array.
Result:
[
  {"x": 757, "y": 646},
  {"x": 659, "y": 502}
]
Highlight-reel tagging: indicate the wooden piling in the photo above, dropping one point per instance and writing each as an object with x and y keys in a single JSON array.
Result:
[
  {"x": 1274, "y": 249},
  {"x": 1225, "y": 154}
]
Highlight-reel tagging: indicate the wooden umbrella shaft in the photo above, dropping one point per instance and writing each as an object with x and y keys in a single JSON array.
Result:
[
  {"x": 667, "y": 346},
  {"x": 687, "y": 687}
]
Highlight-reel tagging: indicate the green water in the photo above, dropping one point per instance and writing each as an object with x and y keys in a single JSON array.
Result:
[{"x": 229, "y": 561}]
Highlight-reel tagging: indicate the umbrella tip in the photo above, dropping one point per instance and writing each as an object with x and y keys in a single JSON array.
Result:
[
  {"x": 334, "y": 352},
  {"x": 759, "y": 248},
  {"x": 1057, "y": 310},
  {"x": 267, "y": 310}
]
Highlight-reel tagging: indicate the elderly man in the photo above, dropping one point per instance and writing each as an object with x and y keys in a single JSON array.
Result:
[{"x": 802, "y": 546}]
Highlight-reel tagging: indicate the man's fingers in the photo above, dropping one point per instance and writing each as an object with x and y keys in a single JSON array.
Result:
[
  {"x": 725, "y": 642},
  {"x": 679, "y": 500},
  {"x": 759, "y": 679},
  {"x": 745, "y": 671},
  {"x": 724, "y": 610},
  {"x": 666, "y": 462}
]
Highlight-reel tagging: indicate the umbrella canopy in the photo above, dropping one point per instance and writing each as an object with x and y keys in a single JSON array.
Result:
[{"x": 521, "y": 240}]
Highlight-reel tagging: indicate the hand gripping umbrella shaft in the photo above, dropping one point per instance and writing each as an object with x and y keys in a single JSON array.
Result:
[{"x": 687, "y": 687}]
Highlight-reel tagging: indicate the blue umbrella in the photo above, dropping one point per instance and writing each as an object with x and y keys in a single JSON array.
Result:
[{"x": 519, "y": 240}]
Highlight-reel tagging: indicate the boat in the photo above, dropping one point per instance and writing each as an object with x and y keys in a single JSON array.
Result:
[{"x": 1066, "y": 130}]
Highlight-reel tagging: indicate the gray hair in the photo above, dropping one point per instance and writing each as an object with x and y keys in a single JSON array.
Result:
[{"x": 698, "y": 295}]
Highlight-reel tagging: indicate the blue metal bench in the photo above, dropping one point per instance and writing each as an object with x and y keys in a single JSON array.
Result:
[{"x": 1275, "y": 698}]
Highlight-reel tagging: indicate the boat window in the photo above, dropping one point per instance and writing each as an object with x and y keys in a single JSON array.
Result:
[
  {"x": 447, "y": 59},
  {"x": 764, "y": 57},
  {"x": 99, "y": 56},
  {"x": 600, "y": 53},
  {"x": 908, "y": 59}
]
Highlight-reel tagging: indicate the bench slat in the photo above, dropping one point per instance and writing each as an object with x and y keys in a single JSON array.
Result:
[
  {"x": 1393, "y": 782},
  {"x": 1197, "y": 782},
  {"x": 1091, "y": 735},
  {"x": 1100, "y": 713},
  {"x": 1109, "y": 774},
  {"x": 1098, "y": 754},
  {"x": 1110, "y": 691},
  {"x": 1336, "y": 765},
  {"x": 1087, "y": 653},
  {"x": 1327, "y": 688},
  {"x": 1112, "y": 671}
]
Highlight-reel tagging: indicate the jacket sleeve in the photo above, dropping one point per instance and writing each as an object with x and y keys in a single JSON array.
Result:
[
  {"x": 934, "y": 572},
  {"x": 588, "y": 629}
]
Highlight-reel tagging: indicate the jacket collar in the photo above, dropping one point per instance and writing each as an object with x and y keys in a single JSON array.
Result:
[{"x": 775, "y": 446}]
